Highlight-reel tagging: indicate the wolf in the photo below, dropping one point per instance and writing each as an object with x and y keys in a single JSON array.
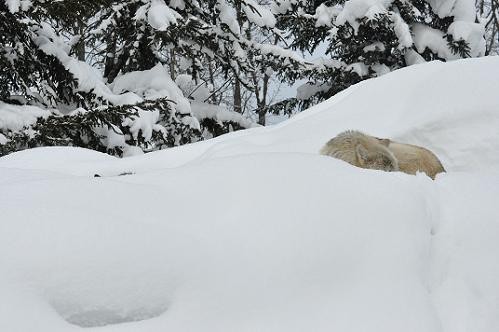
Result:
[
  {"x": 413, "y": 158},
  {"x": 361, "y": 150}
]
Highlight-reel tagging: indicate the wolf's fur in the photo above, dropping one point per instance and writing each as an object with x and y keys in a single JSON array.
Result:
[
  {"x": 412, "y": 158},
  {"x": 361, "y": 150}
]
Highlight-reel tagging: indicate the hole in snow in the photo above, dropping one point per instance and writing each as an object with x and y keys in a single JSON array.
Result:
[
  {"x": 112, "y": 296},
  {"x": 103, "y": 317}
]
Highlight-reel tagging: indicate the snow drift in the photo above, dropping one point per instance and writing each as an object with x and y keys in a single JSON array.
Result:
[{"x": 255, "y": 231}]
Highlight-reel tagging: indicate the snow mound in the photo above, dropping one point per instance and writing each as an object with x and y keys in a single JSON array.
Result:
[{"x": 255, "y": 231}]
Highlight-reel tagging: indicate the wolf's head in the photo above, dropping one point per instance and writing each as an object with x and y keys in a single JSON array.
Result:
[{"x": 376, "y": 157}]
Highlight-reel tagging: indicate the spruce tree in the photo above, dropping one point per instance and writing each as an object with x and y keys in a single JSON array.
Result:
[
  {"x": 73, "y": 105},
  {"x": 237, "y": 37},
  {"x": 113, "y": 69},
  {"x": 26, "y": 73},
  {"x": 366, "y": 39}
]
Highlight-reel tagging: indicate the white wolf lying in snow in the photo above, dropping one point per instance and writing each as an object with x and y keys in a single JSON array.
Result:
[{"x": 366, "y": 151}]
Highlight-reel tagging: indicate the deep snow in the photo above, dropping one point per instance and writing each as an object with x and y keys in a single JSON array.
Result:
[{"x": 254, "y": 231}]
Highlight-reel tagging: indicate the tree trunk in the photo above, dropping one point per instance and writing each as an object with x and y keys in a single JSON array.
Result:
[
  {"x": 79, "y": 29},
  {"x": 212, "y": 81},
  {"x": 173, "y": 64},
  {"x": 262, "y": 112},
  {"x": 237, "y": 85},
  {"x": 110, "y": 61},
  {"x": 237, "y": 96},
  {"x": 262, "y": 99}
]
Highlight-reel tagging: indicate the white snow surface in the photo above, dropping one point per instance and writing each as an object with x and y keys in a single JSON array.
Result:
[{"x": 255, "y": 231}]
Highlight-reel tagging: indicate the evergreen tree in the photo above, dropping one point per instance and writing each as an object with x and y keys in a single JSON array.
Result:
[
  {"x": 236, "y": 37},
  {"x": 488, "y": 10},
  {"x": 27, "y": 73},
  {"x": 370, "y": 38},
  {"x": 144, "y": 49},
  {"x": 72, "y": 103}
]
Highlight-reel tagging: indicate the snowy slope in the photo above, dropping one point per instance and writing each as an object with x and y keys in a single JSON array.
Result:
[{"x": 254, "y": 231}]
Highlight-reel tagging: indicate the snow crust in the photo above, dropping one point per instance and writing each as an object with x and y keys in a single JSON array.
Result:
[{"x": 254, "y": 231}]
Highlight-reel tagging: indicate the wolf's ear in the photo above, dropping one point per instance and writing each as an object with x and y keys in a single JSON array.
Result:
[
  {"x": 384, "y": 141},
  {"x": 361, "y": 152}
]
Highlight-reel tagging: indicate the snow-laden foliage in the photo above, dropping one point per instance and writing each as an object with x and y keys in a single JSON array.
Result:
[
  {"x": 368, "y": 38},
  {"x": 26, "y": 72},
  {"x": 73, "y": 105},
  {"x": 118, "y": 130},
  {"x": 214, "y": 41},
  {"x": 219, "y": 62},
  {"x": 488, "y": 11},
  {"x": 105, "y": 56}
]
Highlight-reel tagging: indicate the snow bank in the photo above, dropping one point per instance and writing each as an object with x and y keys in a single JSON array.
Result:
[
  {"x": 255, "y": 231},
  {"x": 225, "y": 270},
  {"x": 464, "y": 260}
]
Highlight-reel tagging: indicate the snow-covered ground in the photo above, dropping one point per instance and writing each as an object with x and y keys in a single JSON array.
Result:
[{"x": 254, "y": 231}]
